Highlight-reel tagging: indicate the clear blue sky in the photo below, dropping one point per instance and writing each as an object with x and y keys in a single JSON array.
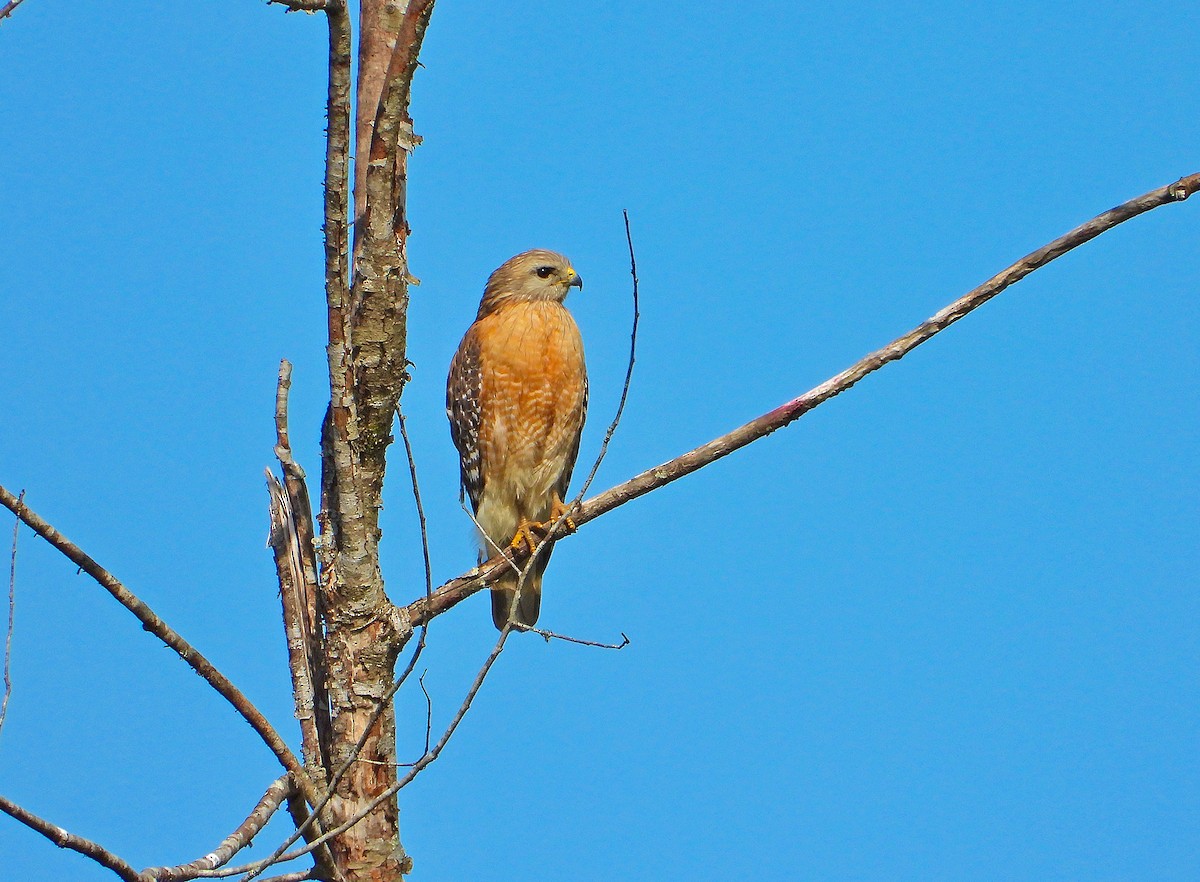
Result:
[{"x": 943, "y": 628}]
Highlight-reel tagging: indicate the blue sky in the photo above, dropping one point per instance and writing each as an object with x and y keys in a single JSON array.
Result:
[{"x": 944, "y": 627}]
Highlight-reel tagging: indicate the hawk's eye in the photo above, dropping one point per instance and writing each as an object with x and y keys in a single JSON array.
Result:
[{"x": 545, "y": 272}]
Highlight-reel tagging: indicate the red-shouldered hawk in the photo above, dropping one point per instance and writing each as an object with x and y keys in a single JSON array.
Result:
[{"x": 516, "y": 398}]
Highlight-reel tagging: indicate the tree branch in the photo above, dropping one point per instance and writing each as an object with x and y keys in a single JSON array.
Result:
[
  {"x": 457, "y": 590},
  {"x": 12, "y": 608},
  {"x": 63, "y": 839},
  {"x": 302, "y": 5},
  {"x": 233, "y": 843},
  {"x": 156, "y": 626},
  {"x": 291, "y": 538},
  {"x": 550, "y": 635},
  {"x": 8, "y": 8},
  {"x": 616, "y": 421}
]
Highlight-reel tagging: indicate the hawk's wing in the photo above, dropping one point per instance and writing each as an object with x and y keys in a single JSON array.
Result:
[{"x": 463, "y": 407}]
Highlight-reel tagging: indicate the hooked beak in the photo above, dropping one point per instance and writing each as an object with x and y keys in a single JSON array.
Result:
[{"x": 576, "y": 281}]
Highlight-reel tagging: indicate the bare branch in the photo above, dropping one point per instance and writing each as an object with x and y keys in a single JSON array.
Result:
[
  {"x": 302, "y": 5},
  {"x": 233, "y": 843},
  {"x": 458, "y": 589},
  {"x": 156, "y": 626},
  {"x": 416, "y": 489},
  {"x": 12, "y": 607},
  {"x": 616, "y": 421},
  {"x": 295, "y": 564},
  {"x": 428, "y": 710},
  {"x": 8, "y": 8},
  {"x": 550, "y": 635},
  {"x": 63, "y": 839}
]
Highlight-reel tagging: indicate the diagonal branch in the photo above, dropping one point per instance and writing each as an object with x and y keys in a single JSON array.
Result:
[
  {"x": 63, "y": 839},
  {"x": 457, "y": 590},
  {"x": 160, "y": 629},
  {"x": 12, "y": 608},
  {"x": 8, "y": 8},
  {"x": 233, "y": 843}
]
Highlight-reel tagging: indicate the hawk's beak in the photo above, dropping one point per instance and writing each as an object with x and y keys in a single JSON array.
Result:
[{"x": 576, "y": 281}]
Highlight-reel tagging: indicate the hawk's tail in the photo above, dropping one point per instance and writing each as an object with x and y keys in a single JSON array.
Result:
[
  {"x": 528, "y": 605},
  {"x": 530, "y": 601}
]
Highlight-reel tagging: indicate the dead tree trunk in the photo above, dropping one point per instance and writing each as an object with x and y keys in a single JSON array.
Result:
[{"x": 358, "y": 636}]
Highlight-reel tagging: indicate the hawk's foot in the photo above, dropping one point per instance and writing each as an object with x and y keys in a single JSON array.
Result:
[
  {"x": 528, "y": 536},
  {"x": 561, "y": 510}
]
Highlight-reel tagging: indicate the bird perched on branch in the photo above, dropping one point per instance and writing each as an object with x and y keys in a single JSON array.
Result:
[{"x": 516, "y": 398}]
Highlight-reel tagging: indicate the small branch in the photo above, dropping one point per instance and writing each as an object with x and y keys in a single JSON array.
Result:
[
  {"x": 302, "y": 5},
  {"x": 428, "y": 710},
  {"x": 616, "y": 421},
  {"x": 550, "y": 635},
  {"x": 63, "y": 839},
  {"x": 12, "y": 606},
  {"x": 8, "y": 8},
  {"x": 291, "y": 538},
  {"x": 156, "y": 626},
  {"x": 457, "y": 590},
  {"x": 416, "y": 489},
  {"x": 297, "y": 626},
  {"x": 233, "y": 843}
]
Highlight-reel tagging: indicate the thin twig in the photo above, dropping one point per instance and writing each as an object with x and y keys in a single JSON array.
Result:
[
  {"x": 301, "y": 5},
  {"x": 458, "y": 589},
  {"x": 428, "y": 710},
  {"x": 416, "y": 489},
  {"x": 12, "y": 606},
  {"x": 233, "y": 843},
  {"x": 616, "y": 420},
  {"x": 500, "y": 552},
  {"x": 63, "y": 839},
  {"x": 160, "y": 629},
  {"x": 550, "y": 635},
  {"x": 298, "y": 876},
  {"x": 8, "y": 8}
]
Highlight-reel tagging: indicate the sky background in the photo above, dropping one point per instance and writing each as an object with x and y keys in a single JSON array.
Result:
[{"x": 945, "y": 627}]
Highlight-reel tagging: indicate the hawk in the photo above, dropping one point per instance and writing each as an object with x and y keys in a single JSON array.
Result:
[{"x": 516, "y": 398}]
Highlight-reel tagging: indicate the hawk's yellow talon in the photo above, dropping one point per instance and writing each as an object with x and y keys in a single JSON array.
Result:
[
  {"x": 527, "y": 535},
  {"x": 559, "y": 509}
]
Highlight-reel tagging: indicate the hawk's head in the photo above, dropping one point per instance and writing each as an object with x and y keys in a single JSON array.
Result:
[{"x": 533, "y": 275}]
